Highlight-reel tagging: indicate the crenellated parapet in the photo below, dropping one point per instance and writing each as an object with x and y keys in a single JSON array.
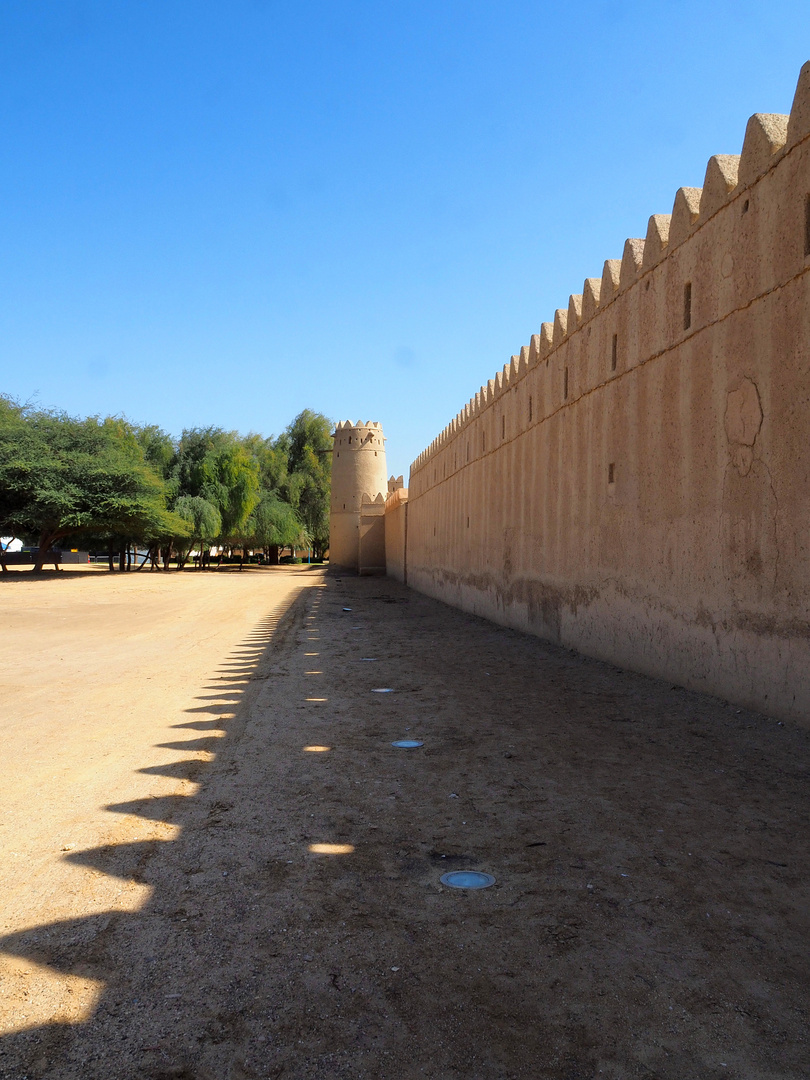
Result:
[
  {"x": 643, "y": 295},
  {"x": 634, "y": 483}
]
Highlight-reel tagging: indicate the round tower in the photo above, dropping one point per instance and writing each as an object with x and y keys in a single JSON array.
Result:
[{"x": 358, "y": 470}]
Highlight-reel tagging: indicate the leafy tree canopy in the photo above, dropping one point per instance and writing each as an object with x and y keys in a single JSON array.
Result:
[
  {"x": 60, "y": 475},
  {"x": 274, "y": 523},
  {"x": 217, "y": 466},
  {"x": 108, "y": 480},
  {"x": 307, "y": 445}
]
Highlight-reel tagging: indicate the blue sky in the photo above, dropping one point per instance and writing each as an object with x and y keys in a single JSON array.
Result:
[{"x": 222, "y": 213}]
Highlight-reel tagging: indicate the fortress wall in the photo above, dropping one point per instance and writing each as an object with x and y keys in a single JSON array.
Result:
[
  {"x": 371, "y": 549},
  {"x": 635, "y": 483},
  {"x": 396, "y": 532}
]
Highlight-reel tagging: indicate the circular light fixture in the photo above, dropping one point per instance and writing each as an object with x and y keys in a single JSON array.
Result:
[{"x": 467, "y": 879}]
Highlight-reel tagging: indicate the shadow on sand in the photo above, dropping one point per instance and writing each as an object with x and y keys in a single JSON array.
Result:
[{"x": 142, "y": 957}]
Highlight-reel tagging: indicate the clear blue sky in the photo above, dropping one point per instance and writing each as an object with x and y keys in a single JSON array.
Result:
[{"x": 224, "y": 212}]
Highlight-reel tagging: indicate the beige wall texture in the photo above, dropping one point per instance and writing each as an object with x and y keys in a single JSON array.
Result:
[
  {"x": 396, "y": 534},
  {"x": 635, "y": 484},
  {"x": 371, "y": 557},
  {"x": 358, "y": 476}
]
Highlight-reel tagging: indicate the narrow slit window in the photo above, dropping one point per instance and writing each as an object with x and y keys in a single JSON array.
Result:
[
  {"x": 807, "y": 226},
  {"x": 530, "y": 409},
  {"x": 614, "y": 352},
  {"x": 687, "y": 305},
  {"x": 503, "y": 427},
  {"x": 612, "y": 473},
  {"x": 565, "y": 384}
]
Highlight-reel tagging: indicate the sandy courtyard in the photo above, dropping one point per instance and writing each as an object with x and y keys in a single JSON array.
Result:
[{"x": 215, "y": 866}]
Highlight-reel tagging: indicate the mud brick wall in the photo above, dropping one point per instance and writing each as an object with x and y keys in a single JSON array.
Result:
[{"x": 635, "y": 483}]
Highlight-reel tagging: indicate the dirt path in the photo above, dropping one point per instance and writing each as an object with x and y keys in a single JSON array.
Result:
[
  {"x": 98, "y": 676},
  {"x": 649, "y": 917}
]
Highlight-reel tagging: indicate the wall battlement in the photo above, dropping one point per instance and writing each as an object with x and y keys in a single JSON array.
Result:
[
  {"x": 768, "y": 138},
  {"x": 635, "y": 482}
]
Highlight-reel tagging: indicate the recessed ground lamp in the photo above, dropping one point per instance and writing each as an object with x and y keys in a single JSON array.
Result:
[
  {"x": 331, "y": 849},
  {"x": 368, "y": 659},
  {"x": 407, "y": 744},
  {"x": 347, "y": 609},
  {"x": 317, "y": 749},
  {"x": 467, "y": 879},
  {"x": 317, "y": 699}
]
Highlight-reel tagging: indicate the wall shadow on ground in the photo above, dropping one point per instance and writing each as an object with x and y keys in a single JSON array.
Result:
[
  {"x": 123, "y": 949},
  {"x": 648, "y": 917}
]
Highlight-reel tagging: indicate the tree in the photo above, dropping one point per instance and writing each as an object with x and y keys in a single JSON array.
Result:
[
  {"x": 204, "y": 521},
  {"x": 274, "y": 524},
  {"x": 307, "y": 444},
  {"x": 61, "y": 476},
  {"x": 217, "y": 466}
]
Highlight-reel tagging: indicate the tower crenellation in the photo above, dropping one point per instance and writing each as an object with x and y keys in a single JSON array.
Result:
[{"x": 359, "y": 475}]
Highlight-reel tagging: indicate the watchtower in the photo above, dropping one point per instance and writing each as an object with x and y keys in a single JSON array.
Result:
[{"x": 358, "y": 476}]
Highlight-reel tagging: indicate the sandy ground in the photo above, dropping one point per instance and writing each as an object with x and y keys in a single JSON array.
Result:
[{"x": 166, "y": 911}]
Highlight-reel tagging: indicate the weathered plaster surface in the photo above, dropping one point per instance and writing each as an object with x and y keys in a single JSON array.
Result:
[
  {"x": 635, "y": 483},
  {"x": 356, "y": 537},
  {"x": 396, "y": 534}
]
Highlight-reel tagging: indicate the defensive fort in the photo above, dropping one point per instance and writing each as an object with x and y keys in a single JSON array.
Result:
[{"x": 635, "y": 483}]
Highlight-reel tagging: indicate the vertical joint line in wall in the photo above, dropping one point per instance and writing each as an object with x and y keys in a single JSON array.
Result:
[{"x": 806, "y": 226}]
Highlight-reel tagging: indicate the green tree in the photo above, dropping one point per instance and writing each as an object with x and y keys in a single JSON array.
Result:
[
  {"x": 217, "y": 466},
  {"x": 204, "y": 521},
  {"x": 307, "y": 445},
  {"x": 158, "y": 448},
  {"x": 61, "y": 476},
  {"x": 274, "y": 524}
]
